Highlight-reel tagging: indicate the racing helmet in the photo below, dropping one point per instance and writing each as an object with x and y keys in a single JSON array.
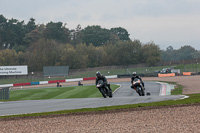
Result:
[
  {"x": 98, "y": 74},
  {"x": 134, "y": 74}
]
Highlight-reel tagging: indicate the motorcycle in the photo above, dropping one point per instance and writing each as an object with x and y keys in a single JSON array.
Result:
[
  {"x": 137, "y": 86},
  {"x": 58, "y": 85},
  {"x": 105, "y": 91}
]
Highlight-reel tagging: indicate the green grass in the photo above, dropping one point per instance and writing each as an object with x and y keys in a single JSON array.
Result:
[
  {"x": 57, "y": 93},
  {"x": 193, "y": 98},
  {"x": 177, "y": 90}
]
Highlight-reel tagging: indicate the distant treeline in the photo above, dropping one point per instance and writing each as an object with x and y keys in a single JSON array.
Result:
[
  {"x": 184, "y": 53},
  {"x": 53, "y": 44}
]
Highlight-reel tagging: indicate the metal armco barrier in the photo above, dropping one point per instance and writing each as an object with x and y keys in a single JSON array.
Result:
[{"x": 4, "y": 93}]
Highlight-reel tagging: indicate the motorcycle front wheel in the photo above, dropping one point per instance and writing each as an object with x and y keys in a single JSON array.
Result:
[
  {"x": 140, "y": 91},
  {"x": 103, "y": 92}
]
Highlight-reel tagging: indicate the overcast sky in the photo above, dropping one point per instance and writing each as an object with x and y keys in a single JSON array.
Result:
[{"x": 165, "y": 22}]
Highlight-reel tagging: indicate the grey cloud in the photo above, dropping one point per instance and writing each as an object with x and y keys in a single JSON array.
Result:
[{"x": 158, "y": 8}]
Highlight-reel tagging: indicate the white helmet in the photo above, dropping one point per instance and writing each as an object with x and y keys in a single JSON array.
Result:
[{"x": 134, "y": 73}]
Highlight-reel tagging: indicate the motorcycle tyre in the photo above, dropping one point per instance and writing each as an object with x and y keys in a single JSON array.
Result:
[
  {"x": 143, "y": 94},
  {"x": 103, "y": 92},
  {"x": 139, "y": 91},
  {"x": 110, "y": 93}
]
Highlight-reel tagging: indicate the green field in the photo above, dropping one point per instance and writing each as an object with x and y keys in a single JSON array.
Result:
[
  {"x": 88, "y": 91},
  {"x": 57, "y": 93},
  {"x": 193, "y": 98},
  {"x": 92, "y": 91}
]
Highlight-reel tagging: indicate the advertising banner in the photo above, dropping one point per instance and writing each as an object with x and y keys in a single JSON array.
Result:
[
  {"x": 166, "y": 75},
  {"x": 13, "y": 70},
  {"x": 187, "y": 73}
]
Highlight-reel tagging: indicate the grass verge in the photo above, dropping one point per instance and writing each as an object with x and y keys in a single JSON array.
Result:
[
  {"x": 193, "y": 98},
  {"x": 178, "y": 88},
  {"x": 89, "y": 91}
]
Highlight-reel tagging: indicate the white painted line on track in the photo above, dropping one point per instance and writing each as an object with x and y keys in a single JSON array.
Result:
[
  {"x": 183, "y": 97},
  {"x": 117, "y": 88}
]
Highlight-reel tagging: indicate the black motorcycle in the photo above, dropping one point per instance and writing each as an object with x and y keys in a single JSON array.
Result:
[
  {"x": 104, "y": 89},
  {"x": 137, "y": 86}
]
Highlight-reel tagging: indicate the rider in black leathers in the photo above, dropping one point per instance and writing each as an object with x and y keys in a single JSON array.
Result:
[
  {"x": 99, "y": 76},
  {"x": 136, "y": 76}
]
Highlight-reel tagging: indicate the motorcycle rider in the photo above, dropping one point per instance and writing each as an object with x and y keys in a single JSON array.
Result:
[
  {"x": 99, "y": 76},
  {"x": 136, "y": 76}
]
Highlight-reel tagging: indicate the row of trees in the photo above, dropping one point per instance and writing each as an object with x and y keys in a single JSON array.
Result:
[
  {"x": 15, "y": 34},
  {"x": 184, "y": 53},
  {"x": 50, "y": 53},
  {"x": 54, "y": 44}
]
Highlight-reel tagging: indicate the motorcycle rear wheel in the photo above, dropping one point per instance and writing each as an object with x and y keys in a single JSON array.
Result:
[{"x": 110, "y": 93}]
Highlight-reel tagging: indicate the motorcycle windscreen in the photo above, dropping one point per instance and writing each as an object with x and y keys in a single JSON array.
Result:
[
  {"x": 100, "y": 82},
  {"x": 136, "y": 79}
]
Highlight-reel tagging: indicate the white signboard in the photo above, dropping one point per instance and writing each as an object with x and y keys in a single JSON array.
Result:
[{"x": 13, "y": 70}]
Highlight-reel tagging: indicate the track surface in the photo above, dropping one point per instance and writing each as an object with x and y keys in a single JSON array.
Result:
[{"x": 124, "y": 95}]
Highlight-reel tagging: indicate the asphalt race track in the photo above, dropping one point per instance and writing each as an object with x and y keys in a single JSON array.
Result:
[{"x": 124, "y": 95}]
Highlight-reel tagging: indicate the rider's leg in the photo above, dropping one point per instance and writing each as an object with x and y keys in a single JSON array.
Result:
[{"x": 109, "y": 86}]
